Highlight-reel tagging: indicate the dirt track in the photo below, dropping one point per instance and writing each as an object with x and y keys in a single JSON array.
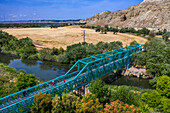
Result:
[{"x": 64, "y": 36}]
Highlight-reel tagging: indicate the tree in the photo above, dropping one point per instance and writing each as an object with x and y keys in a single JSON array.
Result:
[
  {"x": 125, "y": 95},
  {"x": 163, "y": 86},
  {"x": 98, "y": 28},
  {"x": 101, "y": 91},
  {"x": 42, "y": 103},
  {"x": 151, "y": 35},
  {"x": 115, "y": 30},
  {"x": 133, "y": 42},
  {"x": 103, "y": 30},
  {"x": 89, "y": 104},
  {"x": 64, "y": 104},
  {"x": 159, "y": 98},
  {"x": 24, "y": 81},
  {"x": 166, "y": 36}
]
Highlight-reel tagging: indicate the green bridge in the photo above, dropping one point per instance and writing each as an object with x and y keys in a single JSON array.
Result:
[{"x": 80, "y": 74}]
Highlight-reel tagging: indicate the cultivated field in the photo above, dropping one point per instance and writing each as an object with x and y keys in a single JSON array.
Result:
[{"x": 64, "y": 36}]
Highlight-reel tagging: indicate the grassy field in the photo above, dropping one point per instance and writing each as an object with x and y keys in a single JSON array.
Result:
[{"x": 64, "y": 36}]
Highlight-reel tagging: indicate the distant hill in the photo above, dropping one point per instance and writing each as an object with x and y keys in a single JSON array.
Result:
[
  {"x": 152, "y": 14},
  {"x": 41, "y": 21}
]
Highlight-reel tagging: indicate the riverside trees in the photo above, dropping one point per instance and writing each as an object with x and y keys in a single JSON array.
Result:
[{"x": 156, "y": 58}]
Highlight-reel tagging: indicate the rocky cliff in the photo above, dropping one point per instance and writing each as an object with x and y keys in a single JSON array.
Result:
[{"x": 152, "y": 14}]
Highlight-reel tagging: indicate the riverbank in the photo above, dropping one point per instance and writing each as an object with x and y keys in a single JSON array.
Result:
[{"x": 9, "y": 79}]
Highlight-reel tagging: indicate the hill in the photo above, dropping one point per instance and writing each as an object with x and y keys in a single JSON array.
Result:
[{"x": 152, "y": 14}]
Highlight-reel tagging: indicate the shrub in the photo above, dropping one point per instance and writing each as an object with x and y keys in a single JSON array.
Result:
[
  {"x": 42, "y": 103},
  {"x": 126, "y": 95},
  {"x": 133, "y": 42},
  {"x": 119, "y": 107},
  {"x": 163, "y": 86},
  {"x": 166, "y": 36},
  {"x": 89, "y": 104},
  {"x": 101, "y": 91},
  {"x": 153, "y": 81},
  {"x": 65, "y": 103},
  {"x": 138, "y": 34},
  {"x": 24, "y": 81}
]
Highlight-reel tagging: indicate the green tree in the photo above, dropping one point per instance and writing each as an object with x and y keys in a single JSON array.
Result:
[
  {"x": 163, "y": 86},
  {"x": 125, "y": 95},
  {"x": 98, "y": 28},
  {"x": 42, "y": 104},
  {"x": 65, "y": 104},
  {"x": 133, "y": 43},
  {"x": 159, "y": 98},
  {"x": 166, "y": 36},
  {"x": 151, "y": 35},
  {"x": 24, "y": 81},
  {"x": 101, "y": 91},
  {"x": 89, "y": 104}
]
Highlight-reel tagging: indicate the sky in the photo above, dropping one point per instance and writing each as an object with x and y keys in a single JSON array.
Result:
[{"x": 13, "y": 10}]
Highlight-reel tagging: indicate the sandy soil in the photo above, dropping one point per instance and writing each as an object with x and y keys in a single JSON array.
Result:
[{"x": 64, "y": 36}]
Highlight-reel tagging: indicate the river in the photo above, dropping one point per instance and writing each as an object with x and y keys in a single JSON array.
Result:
[{"x": 45, "y": 70}]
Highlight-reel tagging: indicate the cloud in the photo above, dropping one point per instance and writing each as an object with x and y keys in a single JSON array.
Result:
[{"x": 14, "y": 16}]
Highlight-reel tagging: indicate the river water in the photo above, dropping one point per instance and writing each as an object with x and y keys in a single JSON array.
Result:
[{"x": 45, "y": 70}]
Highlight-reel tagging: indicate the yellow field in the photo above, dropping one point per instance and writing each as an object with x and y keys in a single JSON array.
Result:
[{"x": 64, "y": 36}]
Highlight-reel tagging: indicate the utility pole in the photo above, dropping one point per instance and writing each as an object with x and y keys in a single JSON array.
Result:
[{"x": 84, "y": 35}]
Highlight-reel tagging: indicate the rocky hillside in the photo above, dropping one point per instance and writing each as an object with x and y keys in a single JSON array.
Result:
[{"x": 152, "y": 14}]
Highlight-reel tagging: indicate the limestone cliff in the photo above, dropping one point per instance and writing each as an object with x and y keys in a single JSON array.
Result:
[{"x": 152, "y": 14}]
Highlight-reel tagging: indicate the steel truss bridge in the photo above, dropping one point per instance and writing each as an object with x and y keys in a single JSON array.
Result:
[{"x": 80, "y": 74}]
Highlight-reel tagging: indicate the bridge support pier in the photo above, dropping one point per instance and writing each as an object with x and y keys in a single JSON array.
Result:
[
  {"x": 82, "y": 90},
  {"x": 127, "y": 66}
]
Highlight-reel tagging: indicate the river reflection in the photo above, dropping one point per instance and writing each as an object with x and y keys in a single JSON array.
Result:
[
  {"x": 43, "y": 70},
  {"x": 125, "y": 80}
]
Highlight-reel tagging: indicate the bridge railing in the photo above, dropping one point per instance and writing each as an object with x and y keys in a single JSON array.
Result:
[
  {"x": 70, "y": 85},
  {"x": 40, "y": 87}
]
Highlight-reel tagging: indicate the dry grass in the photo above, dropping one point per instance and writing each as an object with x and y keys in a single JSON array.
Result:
[{"x": 64, "y": 36}]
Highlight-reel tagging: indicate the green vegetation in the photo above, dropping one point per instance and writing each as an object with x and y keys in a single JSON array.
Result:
[
  {"x": 66, "y": 103},
  {"x": 89, "y": 104},
  {"x": 126, "y": 95},
  {"x": 122, "y": 98},
  {"x": 82, "y": 50},
  {"x": 101, "y": 91},
  {"x": 24, "y": 47},
  {"x": 159, "y": 99},
  {"x": 133, "y": 42},
  {"x": 42, "y": 103},
  {"x": 24, "y": 81},
  {"x": 156, "y": 58},
  {"x": 12, "y": 81}
]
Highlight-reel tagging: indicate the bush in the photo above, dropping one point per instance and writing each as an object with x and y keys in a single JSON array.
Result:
[
  {"x": 119, "y": 107},
  {"x": 65, "y": 103},
  {"x": 138, "y": 34},
  {"x": 24, "y": 81},
  {"x": 159, "y": 98},
  {"x": 166, "y": 36},
  {"x": 42, "y": 103},
  {"x": 133, "y": 43},
  {"x": 89, "y": 104},
  {"x": 101, "y": 91},
  {"x": 163, "y": 86},
  {"x": 153, "y": 81},
  {"x": 126, "y": 95}
]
